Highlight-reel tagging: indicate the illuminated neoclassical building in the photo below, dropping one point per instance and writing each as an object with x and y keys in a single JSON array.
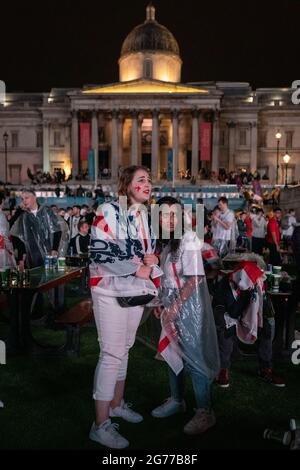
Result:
[{"x": 150, "y": 117}]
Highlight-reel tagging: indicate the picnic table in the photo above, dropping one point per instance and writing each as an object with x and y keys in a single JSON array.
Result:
[{"x": 20, "y": 299}]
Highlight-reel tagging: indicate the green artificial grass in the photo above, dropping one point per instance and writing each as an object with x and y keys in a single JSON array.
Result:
[{"x": 48, "y": 401}]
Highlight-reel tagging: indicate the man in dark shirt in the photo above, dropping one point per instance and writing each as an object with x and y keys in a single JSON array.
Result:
[{"x": 80, "y": 243}]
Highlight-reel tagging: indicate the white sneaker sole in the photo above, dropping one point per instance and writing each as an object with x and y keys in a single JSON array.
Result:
[
  {"x": 223, "y": 386},
  {"x": 136, "y": 421},
  {"x": 167, "y": 415},
  {"x": 94, "y": 437}
]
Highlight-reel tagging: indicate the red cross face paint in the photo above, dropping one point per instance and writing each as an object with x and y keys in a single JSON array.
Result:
[{"x": 141, "y": 187}]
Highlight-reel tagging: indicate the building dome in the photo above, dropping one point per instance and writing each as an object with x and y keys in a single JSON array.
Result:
[
  {"x": 150, "y": 36},
  {"x": 154, "y": 43}
]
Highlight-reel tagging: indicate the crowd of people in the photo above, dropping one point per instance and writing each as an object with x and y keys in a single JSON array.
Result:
[{"x": 134, "y": 264}]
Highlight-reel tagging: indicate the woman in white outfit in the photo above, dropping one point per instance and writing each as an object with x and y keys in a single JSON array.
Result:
[{"x": 122, "y": 264}]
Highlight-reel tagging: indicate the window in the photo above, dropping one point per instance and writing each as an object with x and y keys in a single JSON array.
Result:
[
  {"x": 57, "y": 139},
  {"x": 39, "y": 139},
  {"x": 263, "y": 139},
  {"x": 14, "y": 139},
  {"x": 243, "y": 137},
  {"x": 148, "y": 68},
  {"x": 264, "y": 172},
  {"x": 289, "y": 139}
]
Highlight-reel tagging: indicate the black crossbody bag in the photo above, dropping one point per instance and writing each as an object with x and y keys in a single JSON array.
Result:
[{"x": 136, "y": 300}]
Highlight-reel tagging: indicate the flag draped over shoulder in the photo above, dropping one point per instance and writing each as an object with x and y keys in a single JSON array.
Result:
[
  {"x": 248, "y": 276},
  {"x": 119, "y": 241}
]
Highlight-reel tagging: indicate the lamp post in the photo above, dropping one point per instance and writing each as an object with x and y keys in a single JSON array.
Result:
[
  {"x": 5, "y": 138},
  {"x": 278, "y": 137},
  {"x": 286, "y": 160}
]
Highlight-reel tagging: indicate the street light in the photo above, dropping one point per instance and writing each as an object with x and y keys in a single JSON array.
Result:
[
  {"x": 278, "y": 137},
  {"x": 5, "y": 138},
  {"x": 286, "y": 160}
]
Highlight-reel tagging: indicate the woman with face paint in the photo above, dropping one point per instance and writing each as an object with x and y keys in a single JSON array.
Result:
[
  {"x": 188, "y": 341},
  {"x": 122, "y": 264}
]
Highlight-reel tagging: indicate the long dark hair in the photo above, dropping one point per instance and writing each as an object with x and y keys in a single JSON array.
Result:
[
  {"x": 162, "y": 241},
  {"x": 2, "y": 197}
]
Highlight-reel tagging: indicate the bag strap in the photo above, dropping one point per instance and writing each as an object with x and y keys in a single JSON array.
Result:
[{"x": 176, "y": 275}]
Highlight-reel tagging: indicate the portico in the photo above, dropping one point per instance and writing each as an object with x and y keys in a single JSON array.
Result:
[{"x": 161, "y": 117}]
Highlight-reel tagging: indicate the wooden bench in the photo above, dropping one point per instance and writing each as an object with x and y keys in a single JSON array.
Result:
[{"x": 73, "y": 319}]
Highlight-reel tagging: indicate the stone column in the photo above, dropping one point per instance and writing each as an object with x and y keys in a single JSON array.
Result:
[
  {"x": 155, "y": 149},
  {"x": 216, "y": 144},
  {"x": 134, "y": 138},
  {"x": 232, "y": 138},
  {"x": 75, "y": 145},
  {"x": 140, "y": 125},
  {"x": 46, "y": 151},
  {"x": 195, "y": 143},
  {"x": 114, "y": 145},
  {"x": 120, "y": 139},
  {"x": 67, "y": 142},
  {"x": 175, "y": 144},
  {"x": 253, "y": 159},
  {"x": 95, "y": 142}
]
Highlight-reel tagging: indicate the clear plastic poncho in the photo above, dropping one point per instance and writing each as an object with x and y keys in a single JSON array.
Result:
[
  {"x": 36, "y": 232},
  {"x": 189, "y": 331},
  {"x": 7, "y": 258}
]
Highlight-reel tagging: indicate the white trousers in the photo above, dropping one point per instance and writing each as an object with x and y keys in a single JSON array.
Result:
[{"x": 116, "y": 327}]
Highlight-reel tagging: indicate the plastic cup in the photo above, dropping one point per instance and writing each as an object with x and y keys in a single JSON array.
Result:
[
  {"x": 277, "y": 269},
  {"x": 61, "y": 263},
  {"x": 276, "y": 281},
  {"x": 294, "y": 424},
  {"x": 4, "y": 276}
]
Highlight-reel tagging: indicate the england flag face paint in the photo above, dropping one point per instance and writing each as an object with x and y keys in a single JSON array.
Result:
[{"x": 141, "y": 187}]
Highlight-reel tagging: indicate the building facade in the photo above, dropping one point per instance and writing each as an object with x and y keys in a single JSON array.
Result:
[{"x": 149, "y": 115}]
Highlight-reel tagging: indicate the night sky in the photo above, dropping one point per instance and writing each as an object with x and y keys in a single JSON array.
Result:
[{"x": 66, "y": 44}]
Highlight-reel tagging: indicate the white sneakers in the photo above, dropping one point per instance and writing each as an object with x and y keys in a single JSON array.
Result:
[
  {"x": 107, "y": 435},
  {"x": 169, "y": 408},
  {"x": 201, "y": 422},
  {"x": 124, "y": 411}
]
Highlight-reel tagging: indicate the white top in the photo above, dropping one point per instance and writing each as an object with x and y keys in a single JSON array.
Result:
[
  {"x": 34, "y": 212},
  {"x": 292, "y": 223},
  {"x": 74, "y": 226},
  {"x": 259, "y": 226},
  {"x": 188, "y": 261},
  {"x": 221, "y": 233}
]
